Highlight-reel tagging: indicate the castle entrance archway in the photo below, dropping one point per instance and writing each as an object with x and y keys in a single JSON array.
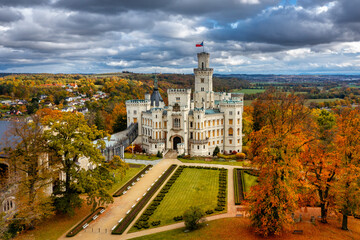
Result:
[{"x": 176, "y": 140}]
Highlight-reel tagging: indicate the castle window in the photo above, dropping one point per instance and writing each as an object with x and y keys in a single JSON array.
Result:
[
  {"x": 198, "y": 147},
  {"x": 230, "y": 121},
  {"x": 155, "y": 146},
  {"x": 238, "y": 120},
  {"x": 156, "y": 116},
  {"x": 217, "y": 122},
  {"x": 230, "y": 141},
  {"x": 202, "y": 89},
  {"x": 230, "y": 113},
  {"x": 202, "y": 80},
  {"x": 238, "y": 112},
  {"x": 198, "y": 116},
  {"x": 203, "y": 146},
  {"x": 231, "y": 132},
  {"x": 191, "y": 124},
  {"x": 238, "y": 140},
  {"x": 222, "y": 121},
  {"x": 135, "y": 112},
  {"x": 191, "y": 135},
  {"x": 202, "y": 65},
  {"x": 178, "y": 99},
  {"x": 135, "y": 120},
  {"x": 222, "y": 132},
  {"x": 238, "y": 131},
  {"x": 217, "y": 132},
  {"x": 176, "y": 123}
]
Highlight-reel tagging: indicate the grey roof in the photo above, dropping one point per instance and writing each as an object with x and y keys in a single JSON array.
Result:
[
  {"x": 212, "y": 111},
  {"x": 155, "y": 96}
]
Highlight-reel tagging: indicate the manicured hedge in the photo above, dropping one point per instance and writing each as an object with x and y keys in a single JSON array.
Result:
[
  {"x": 222, "y": 195},
  {"x": 238, "y": 186},
  {"x": 130, "y": 182},
  {"x": 84, "y": 223},
  {"x": 121, "y": 227}
]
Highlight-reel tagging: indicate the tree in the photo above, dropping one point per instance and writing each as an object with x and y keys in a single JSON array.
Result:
[
  {"x": 320, "y": 158},
  {"x": 33, "y": 175},
  {"x": 192, "y": 217},
  {"x": 216, "y": 151},
  {"x": 73, "y": 141},
  {"x": 275, "y": 149},
  {"x": 347, "y": 143}
]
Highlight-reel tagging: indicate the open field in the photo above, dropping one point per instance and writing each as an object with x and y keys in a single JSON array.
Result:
[
  {"x": 140, "y": 156},
  {"x": 238, "y": 228},
  {"x": 307, "y": 101},
  {"x": 185, "y": 192},
  {"x": 248, "y": 91},
  {"x": 132, "y": 171},
  {"x": 225, "y": 162}
]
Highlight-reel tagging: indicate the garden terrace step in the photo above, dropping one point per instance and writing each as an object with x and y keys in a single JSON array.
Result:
[
  {"x": 124, "y": 188},
  {"x": 84, "y": 223}
]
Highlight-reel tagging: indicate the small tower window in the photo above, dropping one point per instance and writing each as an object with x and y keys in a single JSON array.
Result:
[
  {"x": 202, "y": 89},
  {"x": 202, "y": 65},
  {"x": 202, "y": 80}
]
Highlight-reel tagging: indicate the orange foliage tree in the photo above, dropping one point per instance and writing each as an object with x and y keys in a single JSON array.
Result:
[
  {"x": 347, "y": 143},
  {"x": 276, "y": 151},
  {"x": 320, "y": 159}
]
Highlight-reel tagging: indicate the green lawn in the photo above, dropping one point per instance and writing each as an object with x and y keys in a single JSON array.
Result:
[
  {"x": 131, "y": 172},
  {"x": 249, "y": 180},
  {"x": 140, "y": 157},
  {"x": 308, "y": 101},
  {"x": 248, "y": 91},
  {"x": 225, "y": 162},
  {"x": 194, "y": 187}
]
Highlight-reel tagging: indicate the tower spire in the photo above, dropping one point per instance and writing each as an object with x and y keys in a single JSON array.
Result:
[{"x": 155, "y": 82}]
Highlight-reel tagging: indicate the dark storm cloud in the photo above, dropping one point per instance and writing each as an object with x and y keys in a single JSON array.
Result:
[
  {"x": 23, "y": 2},
  {"x": 8, "y": 15},
  {"x": 219, "y": 10}
]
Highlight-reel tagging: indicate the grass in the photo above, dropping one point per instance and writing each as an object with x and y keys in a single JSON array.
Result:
[
  {"x": 224, "y": 162},
  {"x": 248, "y": 91},
  {"x": 186, "y": 192},
  {"x": 140, "y": 157},
  {"x": 120, "y": 182},
  {"x": 307, "y": 101},
  {"x": 249, "y": 180},
  {"x": 56, "y": 226},
  {"x": 238, "y": 228}
]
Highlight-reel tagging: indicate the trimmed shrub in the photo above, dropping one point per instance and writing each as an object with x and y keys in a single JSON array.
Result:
[
  {"x": 208, "y": 212},
  {"x": 178, "y": 218}
]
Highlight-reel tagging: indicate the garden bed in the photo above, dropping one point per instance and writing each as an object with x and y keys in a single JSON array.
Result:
[
  {"x": 182, "y": 191},
  {"x": 85, "y": 223},
  {"x": 131, "y": 182},
  {"x": 243, "y": 181},
  {"x": 124, "y": 223}
]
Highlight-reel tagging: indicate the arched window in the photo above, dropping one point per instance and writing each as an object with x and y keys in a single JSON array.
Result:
[
  {"x": 238, "y": 131},
  {"x": 231, "y": 132}
]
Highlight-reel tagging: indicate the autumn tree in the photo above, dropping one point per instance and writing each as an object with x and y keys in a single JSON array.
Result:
[
  {"x": 320, "y": 158},
  {"x": 275, "y": 150},
  {"x": 31, "y": 171},
  {"x": 81, "y": 162},
  {"x": 347, "y": 144}
]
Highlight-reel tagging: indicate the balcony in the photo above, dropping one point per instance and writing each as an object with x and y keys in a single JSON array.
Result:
[
  {"x": 204, "y": 141},
  {"x": 162, "y": 140}
]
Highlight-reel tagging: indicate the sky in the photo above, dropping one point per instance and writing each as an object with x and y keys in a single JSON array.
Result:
[{"x": 143, "y": 36}]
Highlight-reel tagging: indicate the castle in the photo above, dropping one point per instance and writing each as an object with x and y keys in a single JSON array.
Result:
[{"x": 189, "y": 126}]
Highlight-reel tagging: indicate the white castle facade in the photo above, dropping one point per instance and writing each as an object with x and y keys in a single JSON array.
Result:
[{"x": 193, "y": 126}]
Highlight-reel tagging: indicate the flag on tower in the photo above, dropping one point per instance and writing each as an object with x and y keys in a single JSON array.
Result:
[{"x": 200, "y": 44}]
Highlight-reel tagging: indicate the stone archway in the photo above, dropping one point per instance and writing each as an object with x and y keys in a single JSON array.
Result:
[{"x": 176, "y": 140}]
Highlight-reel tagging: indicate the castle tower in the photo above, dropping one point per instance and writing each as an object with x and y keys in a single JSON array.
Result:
[
  {"x": 156, "y": 99},
  {"x": 203, "y": 94}
]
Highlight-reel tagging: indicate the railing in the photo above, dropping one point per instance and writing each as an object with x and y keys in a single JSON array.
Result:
[
  {"x": 162, "y": 140},
  {"x": 204, "y": 141}
]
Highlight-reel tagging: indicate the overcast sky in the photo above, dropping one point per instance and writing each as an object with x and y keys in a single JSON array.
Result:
[{"x": 242, "y": 36}]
